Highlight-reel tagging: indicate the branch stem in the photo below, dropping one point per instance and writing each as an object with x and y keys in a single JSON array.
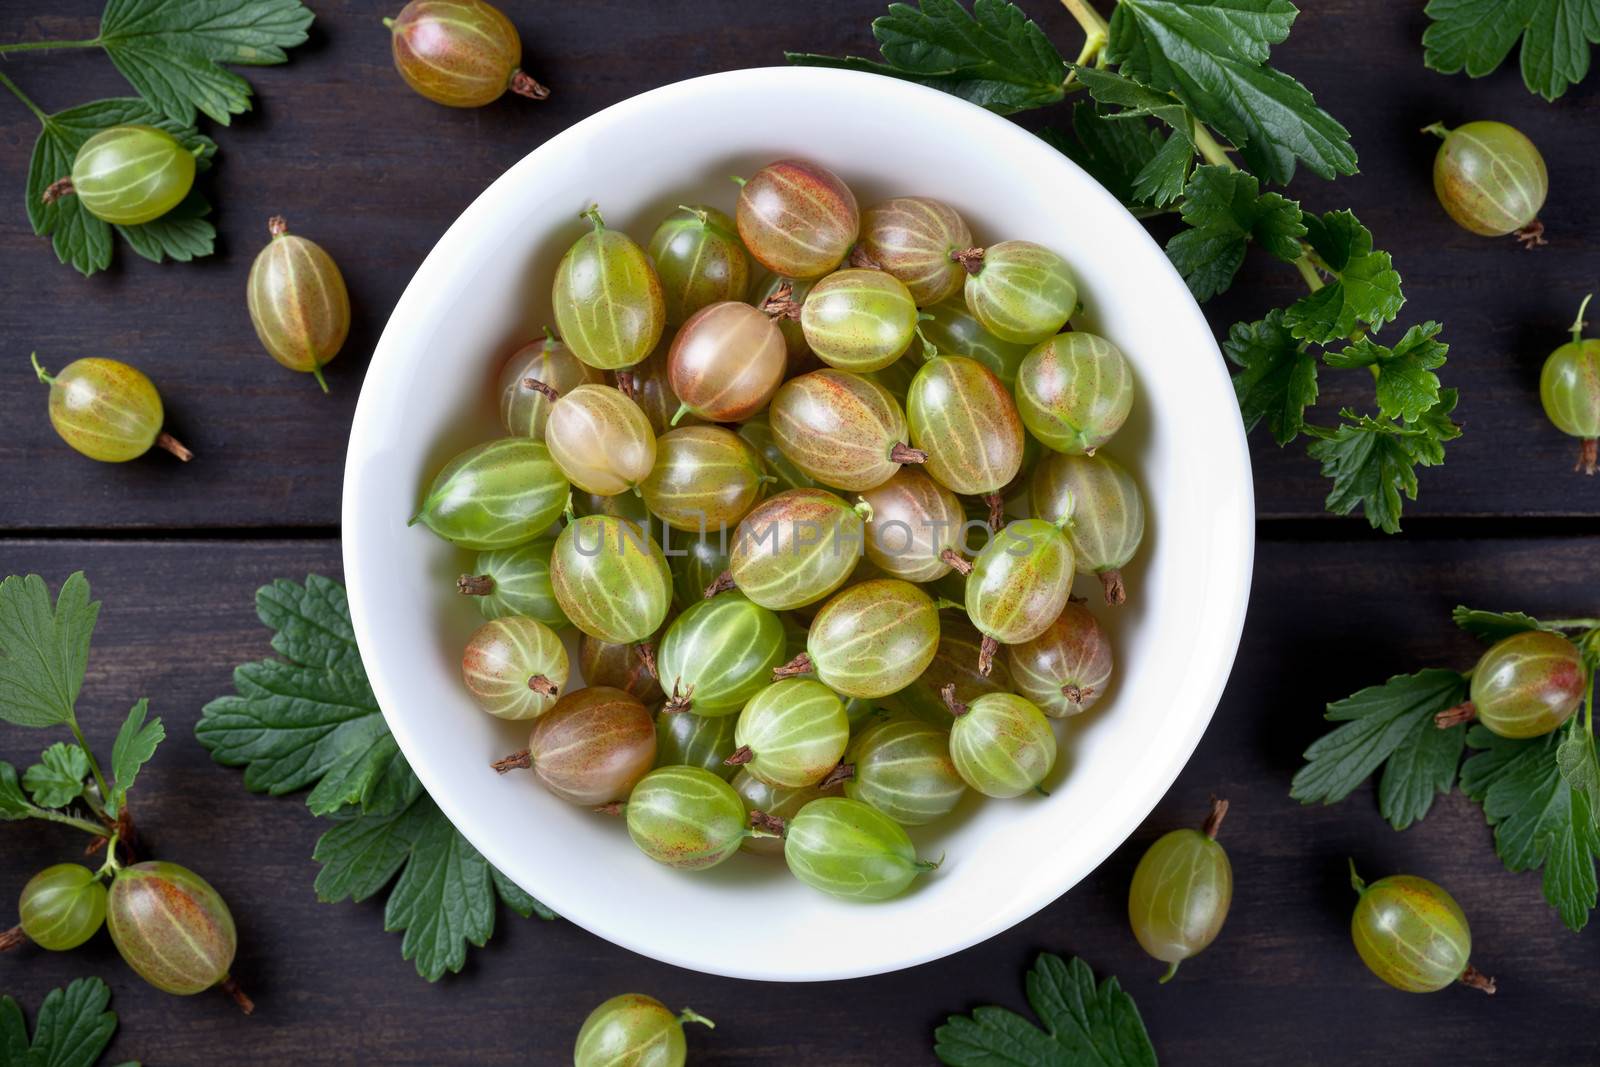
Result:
[
  {"x": 71, "y": 820},
  {"x": 1091, "y": 21},
  {"x": 1308, "y": 271},
  {"x": 94, "y": 766},
  {"x": 42, "y": 46},
  {"x": 26, "y": 101},
  {"x": 1211, "y": 148}
]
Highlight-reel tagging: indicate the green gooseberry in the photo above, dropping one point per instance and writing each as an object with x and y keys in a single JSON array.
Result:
[
  {"x": 851, "y": 850},
  {"x": 696, "y": 564},
  {"x": 1526, "y": 685},
  {"x": 129, "y": 175},
  {"x": 718, "y": 654},
  {"x": 462, "y": 53},
  {"x": 913, "y": 238},
  {"x": 515, "y": 667},
  {"x": 1569, "y": 388},
  {"x": 795, "y": 548},
  {"x": 903, "y": 768},
  {"x": 954, "y": 663},
  {"x": 173, "y": 929},
  {"x": 62, "y": 906},
  {"x": 1413, "y": 935},
  {"x": 916, "y": 526},
  {"x": 965, "y": 421},
  {"x": 797, "y": 218},
  {"x": 1180, "y": 893},
  {"x": 699, "y": 260},
  {"x": 610, "y": 579},
  {"x": 1065, "y": 669},
  {"x": 525, "y": 408},
  {"x": 859, "y": 320},
  {"x": 1001, "y": 744},
  {"x": 107, "y": 410},
  {"x": 843, "y": 430},
  {"x": 608, "y": 302},
  {"x": 1102, "y": 510},
  {"x": 298, "y": 302},
  {"x": 591, "y": 748},
  {"x": 1019, "y": 583},
  {"x": 950, "y": 327},
  {"x": 792, "y": 733},
  {"x": 870, "y": 639},
  {"x": 633, "y": 1030},
  {"x": 1074, "y": 392},
  {"x": 686, "y": 818},
  {"x": 1019, "y": 291},
  {"x": 495, "y": 495},
  {"x": 705, "y": 478},
  {"x": 601, "y": 440},
  {"x": 684, "y": 739},
  {"x": 515, "y": 581},
  {"x": 778, "y": 801},
  {"x": 1491, "y": 180}
]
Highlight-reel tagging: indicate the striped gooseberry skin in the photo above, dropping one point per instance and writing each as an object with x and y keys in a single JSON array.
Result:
[
  {"x": 1002, "y": 745},
  {"x": 62, "y": 906},
  {"x": 617, "y": 666},
  {"x": 1411, "y": 933},
  {"x": 1021, "y": 292},
  {"x": 1065, "y": 669},
  {"x": 1569, "y": 388},
  {"x": 133, "y": 174},
  {"x": 955, "y": 662},
  {"x": 912, "y": 238},
  {"x": 914, "y": 521},
  {"x": 705, "y": 478},
  {"x": 459, "y": 53},
  {"x": 776, "y": 800},
  {"x": 797, "y": 218},
  {"x": 1490, "y": 178},
  {"x": 593, "y": 746},
  {"x": 903, "y": 768},
  {"x": 796, "y": 730},
  {"x": 859, "y": 320},
  {"x": 699, "y": 260},
  {"x": 684, "y": 739},
  {"x": 1074, "y": 392},
  {"x": 104, "y": 409},
  {"x": 718, "y": 654},
  {"x": 171, "y": 927},
  {"x": 600, "y": 439},
  {"x": 1180, "y": 895},
  {"x": 951, "y": 328},
  {"x": 608, "y": 302},
  {"x": 963, "y": 417},
  {"x": 1528, "y": 684},
  {"x": 525, "y": 410},
  {"x": 611, "y": 579},
  {"x": 795, "y": 548},
  {"x": 298, "y": 302},
  {"x": 873, "y": 638},
  {"x": 1020, "y": 581},
  {"x": 1102, "y": 510},
  {"x": 757, "y": 433},
  {"x": 726, "y": 362},
  {"x": 495, "y": 495},
  {"x": 695, "y": 564},
  {"x": 841, "y": 429},
  {"x": 515, "y": 581},
  {"x": 652, "y": 391},
  {"x": 633, "y": 1030},
  {"x": 851, "y": 850},
  {"x": 515, "y": 667},
  {"x": 686, "y": 818}
]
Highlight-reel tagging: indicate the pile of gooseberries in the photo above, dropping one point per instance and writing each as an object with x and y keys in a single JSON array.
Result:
[{"x": 774, "y": 512}]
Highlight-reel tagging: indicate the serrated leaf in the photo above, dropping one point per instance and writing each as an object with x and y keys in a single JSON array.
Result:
[
  {"x": 1082, "y": 1024},
  {"x": 993, "y": 56},
  {"x": 136, "y": 742},
  {"x": 181, "y": 234},
  {"x": 1477, "y": 35},
  {"x": 1225, "y": 210},
  {"x": 1407, "y": 387},
  {"x": 1365, "y": 289},
  {"x": 1388, "y": 724},
  {"x": 518, "y": 900},
  {"x": 44, "y": 650},
  {"x": 1373, "y": 463},
  {"x": 1133, "y": 100},
  {"x": 57, "y": 779},
  {"x": 1493, "y": 625},
  {"x": 13, "y": 803},
  {"x": 1277, "y": 379},
  {"x": 1113, "y": 153},
  {"x": 1162, "y": 180},
  {"x": 72, "y": 1029},
  {"x": 1579, "y": 763}
]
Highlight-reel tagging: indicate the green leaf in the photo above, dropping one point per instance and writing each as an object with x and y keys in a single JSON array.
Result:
[
  {"x": 1083, "y": 1024},
  {"x": 72, "y": 1029},
  {"x": 136, "y": 742},
  {"x": 77, "y": 236},
  {"x": 43, "y": 650},
  {"x": 1133, "y": 100},
  {"x": 1538, "y": 819},
  {"x": 1225, "y": 209},
  {"x": 1161, "y": 181},
  {"x": 1579, "y": 763},
  {"x": 518, "y": 900},
  {"x": 181, "y": 234},
  {"x": 1388, "y": 724},
  {"x": 13, "y": 804},
  {"x": 1212, "y": 55},
  {"x": 311, "y": 720},
  {"x": 1407, "y": 386},
  {"x": 1493, "y": 625},
  {"x": 1373, "y": 462},
  {"x": 1365, "y": 289},
  {"x": 1277, "y": 380},
  {"x": 171, "y": 52},
  {"x": 1115, "y": 154},
  {"x": 1477, "y": 35},
  {"x": 994, "y": 56},
  {"x": 57, "y": 780}
]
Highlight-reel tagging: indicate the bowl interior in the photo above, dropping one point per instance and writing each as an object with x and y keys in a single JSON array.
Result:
[{"x": 485, "y": 289}]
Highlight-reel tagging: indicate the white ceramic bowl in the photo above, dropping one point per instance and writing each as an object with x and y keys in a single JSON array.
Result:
[{"x": 485, "y": 288}]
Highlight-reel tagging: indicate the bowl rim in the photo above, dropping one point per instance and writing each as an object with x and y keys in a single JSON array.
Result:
[{"x": 1227, "y": 628}]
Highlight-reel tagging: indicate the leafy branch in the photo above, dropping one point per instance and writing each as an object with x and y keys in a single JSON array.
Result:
[{"x": 72, "y": 1028}]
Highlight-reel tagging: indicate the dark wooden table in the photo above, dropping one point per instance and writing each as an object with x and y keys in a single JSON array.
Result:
[{"x": 376, "y": 174}]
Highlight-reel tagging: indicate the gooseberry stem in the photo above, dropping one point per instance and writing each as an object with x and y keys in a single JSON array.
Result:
[
  {"x": 841, "y": 773},
  {"x": 1356, "y": 881},
  {"x": 903, "y": 453},
  {"x": 1116, "y": 592},
  {"x": 767, "y": 825},
  {"x": 1308, "y": 271},
  {"x": 171, "y": 444},
  {"x": 947, "y": 693},
  {"x": 475, "y": 585},
  {"x": 592, "y": 213},
  {"x": 957, "y": 564},
  {"x": 545, "y": 390},
  {"x": 739, "y": 757},
  {"x": 12, "y": 938},
  {"x": 1091, "y": 21},
  {"x": 1210, "y": 148},
  {"x": 647, "y": 656},
  {"x": 689, "y": 1015},
  {"x": 1213, "y": 823},
  {"x": 986, "y": 650},
  {"x": 1578, "y": 324},
  {"x": 73, "y": 821},
  {"x": 781, "y": 304},
  {"x": 801, "y": 664},
  {"x": 683, "y": 409},
  {"x": 523, "y": 84},
  {"x": 1172, "y": 970},
  {"x": 1438, "y": 129},
  {"x": 44, "y": 376},
  {"x": 679, "y": 701},
  {"x": 99, "y": 778},
  {"x": 543, "y": 686},
  {"x": 18, "y": 93},
  {"x": 517, "y": 761},
  {"x": 1574, "y": 624},
  {"x": 316, "y": 372},
  {"x": 42, "y": 46},
  {"x": 231, "y": 987},
  {"x": 723, "y": 583},
  {"x": 1477, "y": 980},
  {"x": 1466, "y": 711}
]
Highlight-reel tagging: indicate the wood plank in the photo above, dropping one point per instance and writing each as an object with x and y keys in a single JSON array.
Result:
[
  {"x": 1282, "y": 983},
  {"x": 375, "y": 174}
]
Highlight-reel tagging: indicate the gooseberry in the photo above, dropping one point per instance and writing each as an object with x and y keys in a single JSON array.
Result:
[
  {"x": 684, "y": 739},
  {"x": 619, "y": 666},
  {"x": 525, "y": 408},
  {"x": 298, "y": 302},
  {"x": 608, "y": 302},
  {"x": 610, "y": 579},
  {"x": 951, "y": 328},
  {"x": 726, "y": 362},
  {"x": 859, "y": 320},
  {"x": 107, "y": 410},
  {"x": 515, "y": 581},
  {"x": 1001, "y": 744},
  {"x": 916, "y": 527},
  {"x": 515, "y": 667},
  {"x": 686, "y": 818},
  {"x": 128, "y": 175},
  {"x": 173, "y": 929},
  {"x": 592, "y": 747},
  {"x": 795, "y": 548},
  {"x": 757, "y": 433},
  {"x": 964, "y": 420},
  {"x": 696, "y": 565},
  {"x": 699, "y": 260},
  {"x": 903, "y": 768},
  {"x": 843, "y": 430},
  {"x": 1525, "y": 685},
  {"x": 791, "y": 733},
  {"x": 600, "y": 439},
  {"x": 1074, "y": 392},
  {"x": 777, "y": 801},
  {"x": 1569, "y": 387},
  {"x": 704, "y": 478},
  {"x": 62, "y": 906},
  {"x": 1064, "y": 669},
  {"x": 955, "y": 662},
  {"x": 459, "y": 53},
  {"x": 718, "y": 654},
  {"x": 495, "y": 495},
  {"x": 1491, "y": 180},
  {"x": 870, "y": 639},
  {"x": 1181, "y": 891},
  {"x": 650, "y": 386},
  {"x": 1019, "y": 584},
  {"x": 912, "y": 238},
  {"x": 797, "y": 218},
  {"x": 1413, "y": 935},
  {"x": 849, "y": 849},
  {"x": 1099, "y": 503},
  {"x": 1019, "y": 291},
  {"x": 634, "y": 1030}
]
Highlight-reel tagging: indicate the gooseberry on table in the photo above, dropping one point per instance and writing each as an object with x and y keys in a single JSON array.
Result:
[
  {"x": 633, "y": 1030},
  {"x": 173, "y": 929},
  {"x": 1019, "y": 291},
  {"x": 1064, "y": 669},
  {"x": 718, "y": 654},
  {"x": 1525, "y": 685},
  {"x": 1074, "y": 392},
  {"x": 913, "y": 238},
  {"x": 859, "y": 320},
  {"x": 1101, "y": 511},
  {"x": 842, "y": 429},
  {"x": 903, "y": 768},
  {"x": 592, "y": 747},
  {"x": 107, "y": 410},
  {"x": 515, "y": 667},
  {"x": 524, "y": 407},
  {"x": 726, "y": 362},
  {"x": 600, "y": 439},
  {"x": 965, "y": 421},
  {"x": 684, "y": 739},
  {"x": 791, "y": 733},
  {"x": 1412, "y": 934},
  {"x": 870, "y": 639},
  {"x": 459, "y": 53},
  {"x": 849, "y": 849},
  {"x": 608, "y": 302},
  {"x": 298, "y": 302},
  {"x": 686, "y": 818},
  {"x": 62, "y": 906},
  {"x": 795, "y": 548},
  {"x": 777, "y": 801},
  {"x": 705, "y": 478},
  {"x": 515, "y": 581},
  {"x": 797, "y": 218},
  {"x": 610, "y": 579},
  {"x": 128, "y": 175},
  {"x": 1569, "y": 388},
  {"x": 1491, "y": 180},
  {"x": 1181, "y": 891},
  {"x": 1001, "y": 744},
  {"x": 1019, "y": 584},
  {"x": 498, "y": 494},
  {"x": 699, "y": 260},
  {"x": 916, "y": 528}
]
